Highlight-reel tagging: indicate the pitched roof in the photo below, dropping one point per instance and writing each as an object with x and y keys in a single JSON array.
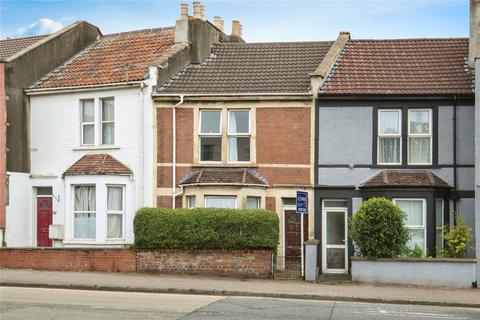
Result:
[
  {"x": 405, "y": 179},
  {"x": 238, "y": 176},
  {"x": 10, "y": 47},
  {"x": 252, "y": 68},
  {"x": 403, "y": 66},
  {"x": 98, "y": 164},
  {"x": 114, "y": 58}
]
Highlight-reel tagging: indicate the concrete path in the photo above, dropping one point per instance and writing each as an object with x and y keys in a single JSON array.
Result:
[
  {"x": 134, "y": 282},
  {"x": 42, "y": 304}
]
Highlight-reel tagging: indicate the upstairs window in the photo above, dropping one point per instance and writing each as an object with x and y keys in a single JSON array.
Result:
[
  {"x": 88, "y": 122},
  {"x": 239, "y": 136},
  {"x": 108, "y": 121},
  {"x": 419, "y": 136},
  {"x": 389, "y": 137},
  {"x": 210, "y": 136}
]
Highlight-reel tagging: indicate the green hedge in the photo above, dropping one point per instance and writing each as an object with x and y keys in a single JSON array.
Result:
[{"x": 203, "y": 228}]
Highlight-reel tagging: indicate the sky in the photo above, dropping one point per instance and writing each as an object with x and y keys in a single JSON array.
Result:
[{"x": 262, "y": 21}]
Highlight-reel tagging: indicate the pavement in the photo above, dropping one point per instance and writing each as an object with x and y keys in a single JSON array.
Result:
[
  {"x": 41, "y": 304},
  {"x": 181, "y": 284}
]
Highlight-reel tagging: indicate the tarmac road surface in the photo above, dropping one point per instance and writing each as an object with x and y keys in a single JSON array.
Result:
[{"x": 40, "y": 304}]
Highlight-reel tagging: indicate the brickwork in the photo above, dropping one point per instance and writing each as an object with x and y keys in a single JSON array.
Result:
[
  {"x": 184, "y": 135},
  {"x": 111, "y": 260},
  {"x": 270, "y": 203},
  {"x": 233, "y": 263},
  {"x": 283, "y": 135},
  {"x": 286, "y": 175}
]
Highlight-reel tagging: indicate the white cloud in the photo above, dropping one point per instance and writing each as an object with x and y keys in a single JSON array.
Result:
[{"x": 40, "y": 27}]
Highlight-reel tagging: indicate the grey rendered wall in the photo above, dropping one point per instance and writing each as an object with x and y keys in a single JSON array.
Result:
[
  {"x": 477, "y": 165},
  {"x": 23, "y": 71}
]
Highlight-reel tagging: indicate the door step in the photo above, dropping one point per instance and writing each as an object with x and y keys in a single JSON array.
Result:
[{"x": 334, "y": 278}]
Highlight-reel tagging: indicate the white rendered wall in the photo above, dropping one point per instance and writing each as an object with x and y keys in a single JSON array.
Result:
[{"x": 18, "y": 231}]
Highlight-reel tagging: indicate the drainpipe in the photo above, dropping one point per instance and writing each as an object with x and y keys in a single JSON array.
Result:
[
  {"x": 454, "y": 157},
  {"x": 174, "y": 151},
  {"x": 142, "y": 146}
]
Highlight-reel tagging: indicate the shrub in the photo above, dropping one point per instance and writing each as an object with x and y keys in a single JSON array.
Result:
[
  {"x": 378, "y": 228},
  {"x": 456, "y": 240},
  {"x": 205, "y": 228},
  {"x": 416, "y": 252}
]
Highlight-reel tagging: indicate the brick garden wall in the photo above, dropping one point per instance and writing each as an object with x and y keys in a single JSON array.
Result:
[
  {"x": 235, "y": 263},
  {"x": 59, "y": 259}
]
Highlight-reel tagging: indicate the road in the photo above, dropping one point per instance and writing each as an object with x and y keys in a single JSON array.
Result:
[{"x": 40, "y": 304}]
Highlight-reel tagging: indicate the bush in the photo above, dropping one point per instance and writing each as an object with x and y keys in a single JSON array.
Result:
[
  {"x": 456, "y": 240},
  {"x": 416, "y": 252},
  {"x": 205, "y": 228},
  {"x": 378, "y": 228}
]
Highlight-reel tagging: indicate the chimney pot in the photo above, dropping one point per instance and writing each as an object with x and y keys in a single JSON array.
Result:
[
  {"x": 235, "y": 28},
  {"x": 218, "y": 22},
  {"x": 184, "y": 11},
  {"x": 197, "y": 11},
  {"x": 202, "y": 11}
]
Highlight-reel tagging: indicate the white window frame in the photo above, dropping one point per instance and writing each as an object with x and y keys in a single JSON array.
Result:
[
  {"x": 420, "y": 135},
  {"x": 102, "y": 122},
  {"x": 259, "y": 202},
  {"x": 74, "y": 211},
  {"x": 239, "y": 135},
  {"x": 443, "y": 222},
  {"x": 209, "y": 135},
  {"x": 418, "y": 227},
  {"x": 122, "y": 212},
  {"x": 220, "y": 196},
  {"x": 389, "y": 135},
  {"x": 88, "y": 123},
  {"x": 189, "y": 203}
]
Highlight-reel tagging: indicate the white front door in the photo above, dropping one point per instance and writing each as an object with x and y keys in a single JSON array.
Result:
[{"x": 334, "y": 237}]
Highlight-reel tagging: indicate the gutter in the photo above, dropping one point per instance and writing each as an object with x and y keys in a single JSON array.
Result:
[
  {"x": 223, "y": 184},
  {"x": 236, "y": 96},
  {"x": 32, "y": 92}
]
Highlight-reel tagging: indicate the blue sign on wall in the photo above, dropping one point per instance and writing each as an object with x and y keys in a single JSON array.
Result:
[{"x": 302, "y": 202}]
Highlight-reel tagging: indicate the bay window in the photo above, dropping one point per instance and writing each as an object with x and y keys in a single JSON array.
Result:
[
  {"x": 87, "y": 122},
  {"x": 415, "y": 209},
  {"x": 439, "y": 223},
  {"x": 238, "y": 135},
  {"x": 210, "y": 136},
  {"x": 389, "y": 137},
  {"x": 115, "y": 212},
  {"x": 108, "y": 122},
  {"x": 419, "y": 136},
  {"x": 84, "y": 223},
  {"x": 191, "y": 202},
  {"x": 228, "y": 202}
]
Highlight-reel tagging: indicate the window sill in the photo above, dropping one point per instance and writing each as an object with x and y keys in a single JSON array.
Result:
[
  {"x": 107, "y": 147},
  {"x": 224, "y": 165},
  {"x": 94, "y": 242}
]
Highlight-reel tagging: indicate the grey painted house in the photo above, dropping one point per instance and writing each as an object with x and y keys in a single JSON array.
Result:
[{"x": 395, "y": 118}]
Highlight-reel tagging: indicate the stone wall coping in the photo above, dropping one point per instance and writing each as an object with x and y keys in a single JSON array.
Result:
[
  {"x": 408, "y": 259},
  {"x": 62, "y": 249}
]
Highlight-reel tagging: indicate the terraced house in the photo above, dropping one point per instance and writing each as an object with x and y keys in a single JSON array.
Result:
[
  {"x": 235, "y": 130},
  {"x": 91, "y": 136},
  {"x": 395, "y": 118}
]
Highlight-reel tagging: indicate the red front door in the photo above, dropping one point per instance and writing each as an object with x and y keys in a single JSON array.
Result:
[
  {"x": 293, "y": 238},
  {"x": 44, "y": 219}
]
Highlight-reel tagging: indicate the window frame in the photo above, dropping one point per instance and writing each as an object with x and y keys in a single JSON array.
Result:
[
  {"x": 189, "y": 203},
  {"x": 102, "y": 121},
  {"x": 239, "y": 135},
  {"x": 389, "y": 135},
  {"x": 259, "y": 202},
  {"x": 122, "y": 212},
  {"x": 424, "y": 218},
  {"x": 75, "y": 211},
  {"x": 220, "y": 196},
  {"x": 201, "y": 135},
  {"x": 86, "y": 123},
  {"x": 420, "y": 135},
  {"x": 441, "y": 246}
]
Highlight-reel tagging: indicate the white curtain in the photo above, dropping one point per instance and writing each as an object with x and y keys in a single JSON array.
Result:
[
  {"x": 108, "y": 124},
  {"x": 115, "y": 220},
  {"x": 253, "y": 203},
  {"x": 220, "y": 202},
  {"x": 84, "y": 222},
  {"x": 232, "y": 142},
  {"x": 419, "y": 150},
  {"x": 414, "y": 211},
  {"x": 389, "y": 150}
]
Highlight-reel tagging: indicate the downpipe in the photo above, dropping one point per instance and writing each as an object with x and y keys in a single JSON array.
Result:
[{"x": 174, "y": 151}]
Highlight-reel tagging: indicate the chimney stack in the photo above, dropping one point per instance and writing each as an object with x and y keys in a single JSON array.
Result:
[
  {"x": 202, "y": 11},
  {"x": 184, "y": 11},
  {"x": 474, "y": 41},
  {"x": 235, "y": 28},
  {"x": 218, "y": 22},
  {"x": 240, "y": 30},
  {"x": 197, "y": 10}
]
